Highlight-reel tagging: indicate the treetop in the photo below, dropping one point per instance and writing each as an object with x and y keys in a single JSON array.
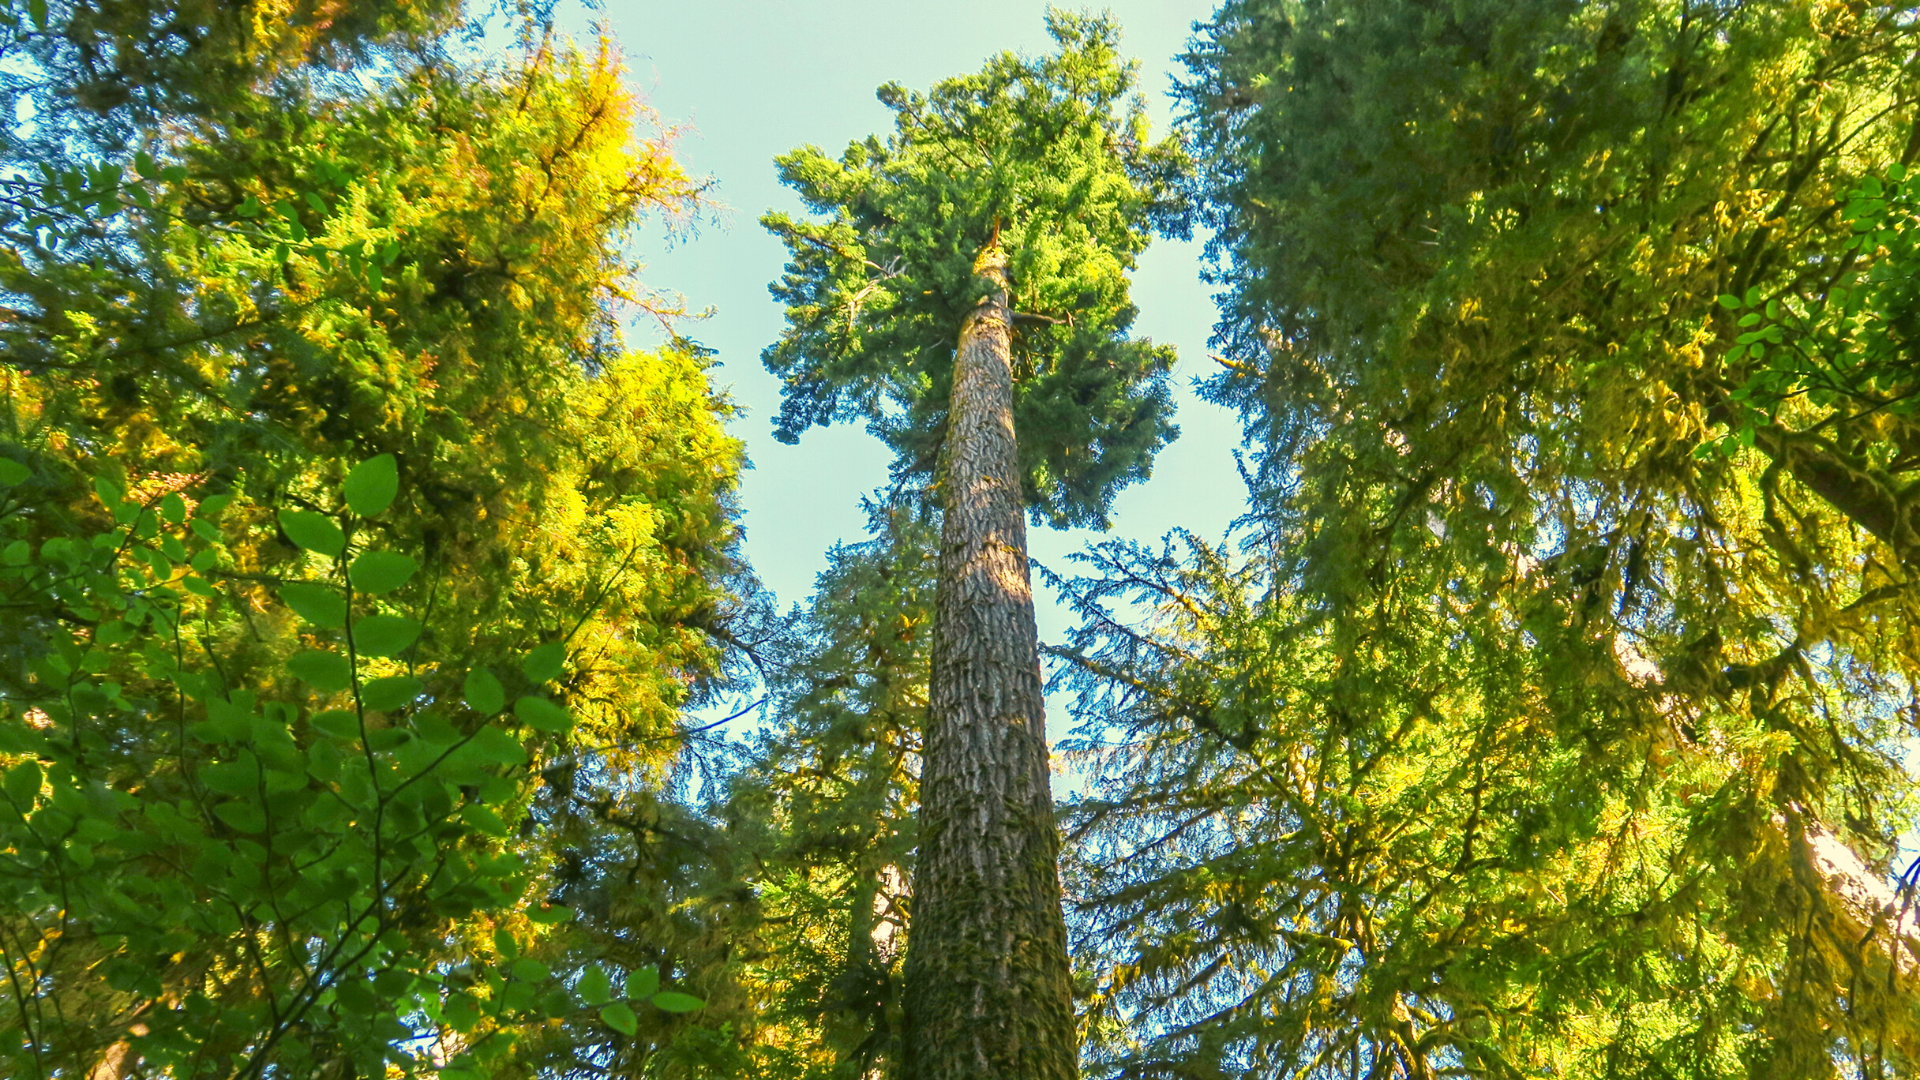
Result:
[{"x": 1049, "y": 157}]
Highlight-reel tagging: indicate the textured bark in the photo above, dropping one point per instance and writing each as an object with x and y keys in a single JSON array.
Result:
[{"x": 988, "y": 995}]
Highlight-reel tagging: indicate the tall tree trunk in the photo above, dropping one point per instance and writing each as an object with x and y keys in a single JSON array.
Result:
[{"x": 987, "y": 994}]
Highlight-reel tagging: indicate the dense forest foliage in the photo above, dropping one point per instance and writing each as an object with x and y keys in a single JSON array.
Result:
[{"x": 370, "y": 609}]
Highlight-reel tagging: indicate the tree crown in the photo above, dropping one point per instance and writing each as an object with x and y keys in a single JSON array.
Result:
[{"x": 1050, "y": 158}]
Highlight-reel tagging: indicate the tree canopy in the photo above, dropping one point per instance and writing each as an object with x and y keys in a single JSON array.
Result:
[
  {"x": 1554, "y": 719},
  {"x": 376, "y": 637},
  {"x": 1050, "y": 157}
]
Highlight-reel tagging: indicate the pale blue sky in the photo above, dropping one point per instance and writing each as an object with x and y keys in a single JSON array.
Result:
[{"x": 755, "y": 78}]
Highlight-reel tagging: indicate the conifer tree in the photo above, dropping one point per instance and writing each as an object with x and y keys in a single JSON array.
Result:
[
  {"x": 827, "y": 805},
  {"x": 964, "y": 293},
  {"x": 1553, "y": 721}
]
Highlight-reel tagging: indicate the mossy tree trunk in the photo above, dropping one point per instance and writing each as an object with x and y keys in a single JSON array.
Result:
[{"x": 987, "y": 995}]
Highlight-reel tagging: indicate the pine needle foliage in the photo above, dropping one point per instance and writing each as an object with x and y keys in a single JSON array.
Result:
[
  {"x": 1048, "y": 156},
  {"x": 1553, "y": 720}
]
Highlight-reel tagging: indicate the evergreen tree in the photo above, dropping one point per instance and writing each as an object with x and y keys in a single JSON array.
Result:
[
  {"x": 964, "y": 292},
  {"x": 1553, "y": 722},
  {"x": 829, "y": 798}
]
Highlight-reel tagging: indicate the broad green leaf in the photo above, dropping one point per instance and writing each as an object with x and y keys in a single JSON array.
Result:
[
  {"x": 494, "y": 746},
  {"x": 540, "y": 713},
  {"x": 324, "y": 671},
  {"x": 550, "y": 915},
  {"x": 23, "y": 784},
  {"x": 381, "y": 571},
  {"x": 504, "y": 944},
  {"x": 460, "y": 1013},
  {"x": 231, "y": 777},
  {"x": 12, "y": 472},
  {"x": 243, "y": 816},
  {"x": 318, "y": 604},
  {"x": 388, "y": 738},
  {"x": 173, "y": 508},
  {"x": 314, "y": 532},
  {"x": 484, "y": 694},
  {"x": 372, "y": 485},
  {"x": 392, "y": 692},
  {"x": 675, "y": 1002},
  {"x": 527, "y": 969},
  {"x": 435, "y": 729},
  {"x": 545, "y": 663},
  {"x": 594, "y": 987},
  {"x": 484, "y": 819},
  {"x": 384, "y": 635},
  {"x": 620, "y": 1018},
  {"x": 336, "y": 722},
  {"x": 643, "y": 983}
]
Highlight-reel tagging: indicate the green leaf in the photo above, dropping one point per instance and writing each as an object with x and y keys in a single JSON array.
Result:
[
  {"x": 318, "y": 604},
  {"x": 392, "y": 692},
  {"x": 12, "y": 472},
  {"x": 324, "y": 671},
  {"x": 37, "y": 9},
  {"x": 372, "y": 485},
  {"x": 231, "y": 777},
  {"x": 643, "y": 983},
  {"x": 388, "y": 738},
  {"x": 484, "y": 819},
  {"x": 551, "y": 915},
  {"x": 545, "y": 715},
  {"x": 338, "y": 723},
  {"x": 527, "y": 969},
  {"x": 381, "y": 571},
  {"x": 620, "y": 1018},
  {"x": 484, "y": 693},
  {"x": 1730, "y": 302},
  {"x": 384, "y": 635},
  {"x": 173, "y": 508},
  {"x": 435, "y": 729},
  {"x": 23, "y": 784},
  {"x": 244, "y": 817},
  {"x": 545, "y": 663},
  {"x": 675, "y": 1002},
  {"x": 314, "y": 532},
  {"x": 594, "y": 987},
  {"x": 496, "y": 747}
]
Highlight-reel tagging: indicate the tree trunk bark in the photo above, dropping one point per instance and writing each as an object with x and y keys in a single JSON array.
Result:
[{"x": 988, "y": 994}]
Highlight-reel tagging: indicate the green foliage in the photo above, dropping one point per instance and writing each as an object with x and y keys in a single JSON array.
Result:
[
  {"x": 827, "y": 804},
  {"x": 1527, "y": 739},
  {"x": 320, "y": 447},
  {"x": 253, "y": 877},
  {"x": 1845, "y": 345},
  {"x": 1048, "y": 157}
]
